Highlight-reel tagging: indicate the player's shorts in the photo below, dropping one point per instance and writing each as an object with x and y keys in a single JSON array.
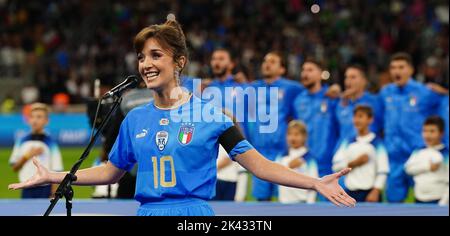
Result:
[
  {"x": 225, "y": 190},
  {"x": 261, "y": 189},
  {"x": 176, "y": 207},
  {"x": 37, "y": 192},
  {"x": 398, "y": 183}
]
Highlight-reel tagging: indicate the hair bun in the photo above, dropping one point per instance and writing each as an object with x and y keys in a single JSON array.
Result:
[{"x": 171, "y": 17}]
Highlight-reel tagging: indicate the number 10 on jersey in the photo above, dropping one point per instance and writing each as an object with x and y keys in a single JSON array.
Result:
[{"x": 162, "y": 172}]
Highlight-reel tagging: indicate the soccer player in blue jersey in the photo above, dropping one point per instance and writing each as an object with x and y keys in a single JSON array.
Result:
[
  {"x": 175, "y": 152},
  {"x": 353, "y": 95},
  {"x": 317, "y": 111},
  {"x": 232, "y": 101},
  {"x": 272, "y": 144},
  {"x": 405, "y": 105},
  {"x": 231, "y": 92}
]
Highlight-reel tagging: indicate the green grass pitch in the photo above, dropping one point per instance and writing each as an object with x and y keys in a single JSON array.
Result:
[{"x": 70, "y": 156}]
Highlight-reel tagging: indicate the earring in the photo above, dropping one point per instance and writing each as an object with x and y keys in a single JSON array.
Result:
[{"x": 177, "y": 73}]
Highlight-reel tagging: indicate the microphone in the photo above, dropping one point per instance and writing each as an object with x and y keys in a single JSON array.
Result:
[{"x": 130, "y": 82}]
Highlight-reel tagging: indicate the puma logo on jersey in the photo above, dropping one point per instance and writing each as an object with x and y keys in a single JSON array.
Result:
[{"x": 142, "y": 134}]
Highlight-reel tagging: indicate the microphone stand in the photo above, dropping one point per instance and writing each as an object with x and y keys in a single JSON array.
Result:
[{"x": 65, "y": 187}]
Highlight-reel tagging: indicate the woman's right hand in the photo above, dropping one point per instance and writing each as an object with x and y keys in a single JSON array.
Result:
[{"x": 41, "y": 177}]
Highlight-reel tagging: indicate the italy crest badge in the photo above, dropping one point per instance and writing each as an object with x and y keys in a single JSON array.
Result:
[{"x": 186, "y": 133}]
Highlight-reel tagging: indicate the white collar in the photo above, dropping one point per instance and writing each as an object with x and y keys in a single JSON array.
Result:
[
  {"x": 298, "y": 152},
  {"x": 438, "y": 147},
  {"x": 366, "y": 138}
]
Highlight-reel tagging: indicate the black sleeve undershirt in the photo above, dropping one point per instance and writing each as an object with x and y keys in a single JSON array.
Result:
[{"x": 230, "y": 138}]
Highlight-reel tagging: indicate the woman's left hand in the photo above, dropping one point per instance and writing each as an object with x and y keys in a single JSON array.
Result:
[{"x": 329, "y": 187}]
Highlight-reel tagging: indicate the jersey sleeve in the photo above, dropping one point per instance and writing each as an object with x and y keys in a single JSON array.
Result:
[
  {"x": 295, "y": 104},
  {"x": 56, "y": 158},
  {"x": 313, "y": 171},
  {"x": 340, "y": 161},
  {"x": 382, "y": 165},
  {"x": 122, "y": 155},
  {"x": 432, "y": 99},
  {"x": 377, "y": 106},
  {"x": 445, "y": 196},
  {"x": 417, "y": 164},
  {"x": 437, "y": 159},
  {"x": 381, "y": 108},
  {"x": 240, "y": 148},
  {"x": 16, "y": 153},
  {"x": 444, "y": 199},
  {"x": 295, "y": 90},
  {"x": 232, "y": 139},
  {"x": 445, "y": 163}
]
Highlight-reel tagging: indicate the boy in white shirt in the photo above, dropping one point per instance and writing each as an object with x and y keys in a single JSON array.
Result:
[
  {"x": 367, "y": 157},
  {"x": 429, "y": 165},
  {"x": 298, "y": 159},
  {"x": 231, "y": 179},
  {"x": 36, "y": 144}
]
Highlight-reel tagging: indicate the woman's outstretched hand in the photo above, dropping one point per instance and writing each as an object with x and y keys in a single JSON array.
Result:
[
  {"x": 41, "y": 177},
  {"x": 329, "y": 187}
]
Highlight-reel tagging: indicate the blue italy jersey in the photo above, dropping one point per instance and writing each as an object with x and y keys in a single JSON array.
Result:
[
  {"x": 276, "y": 140},
  {"x": 232, "y": 99},
  {"x": 344, "y": 115},
  {"x": 404, "y": 111},
  {"x": 175, "y": 151},
  {"x": 229, "y": 82},
  {"x": 443, "y": 111},
  {"x": 317, "y": 111}
]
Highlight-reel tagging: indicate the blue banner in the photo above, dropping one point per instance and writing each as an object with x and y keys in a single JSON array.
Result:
[{"x": 67, "y": 129}]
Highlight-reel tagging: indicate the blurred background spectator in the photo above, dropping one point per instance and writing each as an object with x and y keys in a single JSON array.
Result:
[{"x": 51, "y": 47}]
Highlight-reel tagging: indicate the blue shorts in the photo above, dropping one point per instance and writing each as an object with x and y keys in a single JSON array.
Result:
[
  {"x": 398, "y": 183},
  {"x": 37, "y": 192},
  {"x": 225, "y": 191},
  {"x": 263, "y": 190},
  {"x": 176, "y": 207},
  {"x": 361, "y": 195},
  {"x": 427, "y": 202}
]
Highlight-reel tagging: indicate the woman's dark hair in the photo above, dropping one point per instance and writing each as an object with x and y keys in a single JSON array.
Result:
[{"x": 169, "y": 35}]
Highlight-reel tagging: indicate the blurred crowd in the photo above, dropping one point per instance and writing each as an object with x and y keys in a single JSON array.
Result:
[{"x": 58, "y": 48}]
